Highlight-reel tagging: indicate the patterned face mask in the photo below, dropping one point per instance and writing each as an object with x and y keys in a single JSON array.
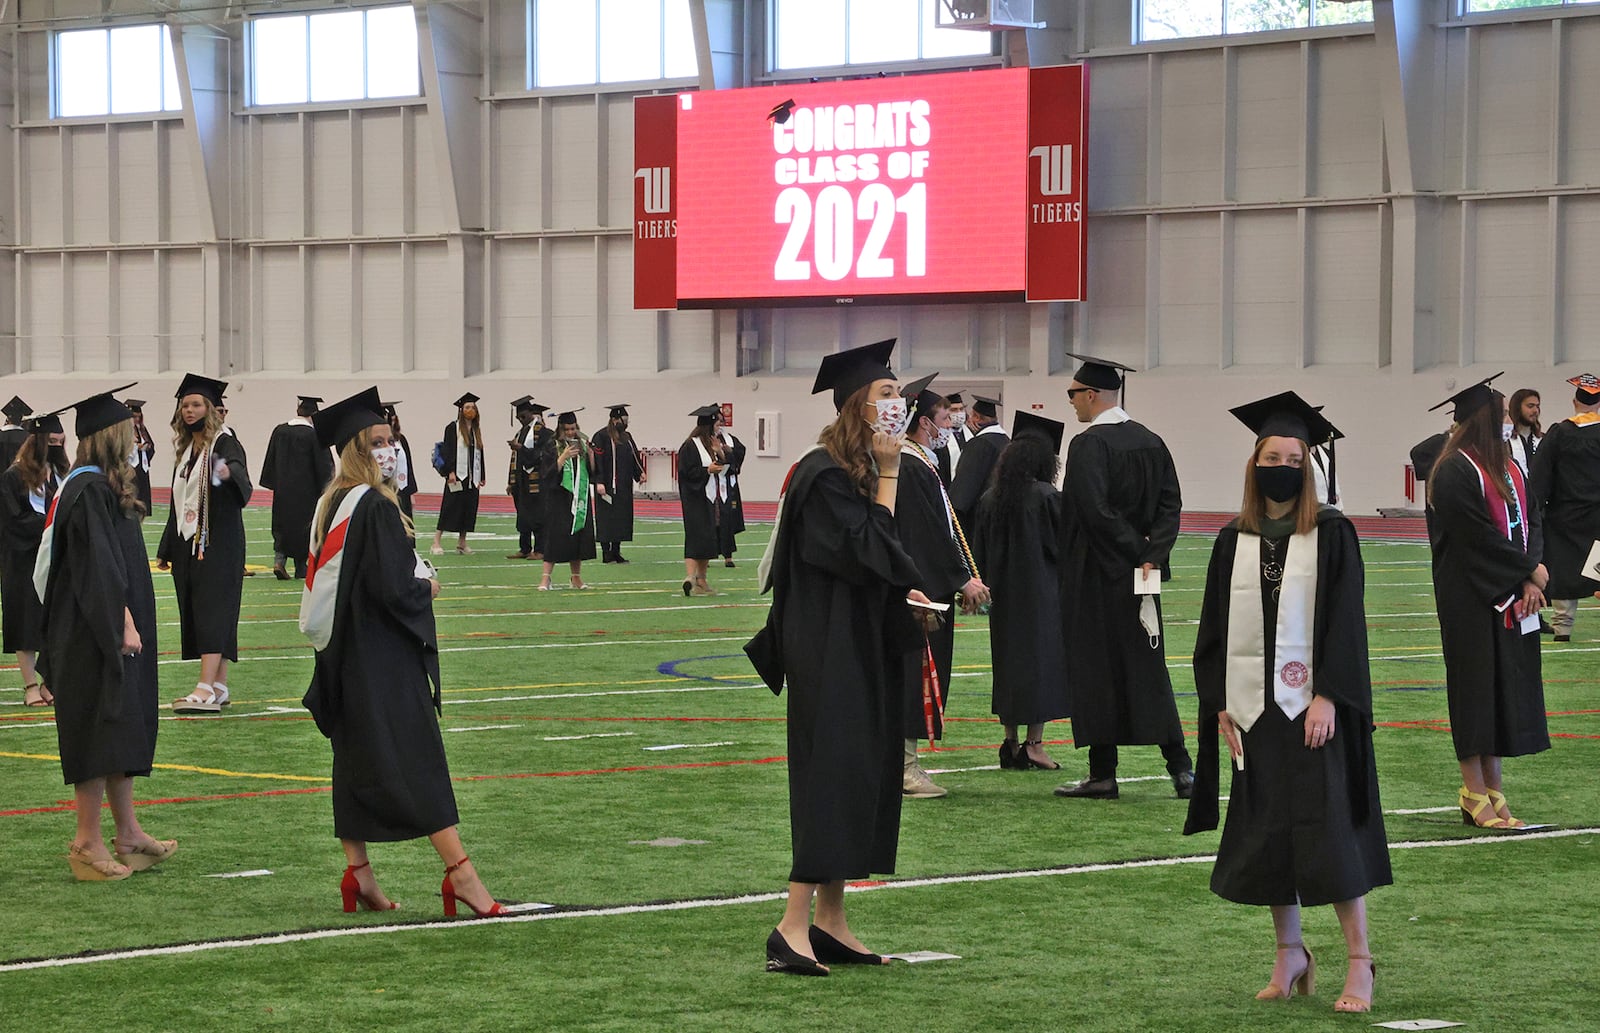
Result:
[
  {"x": 388, "y": 460},
  {"x": 942, "y": 436},
  {"x": 893, "y": 416}
]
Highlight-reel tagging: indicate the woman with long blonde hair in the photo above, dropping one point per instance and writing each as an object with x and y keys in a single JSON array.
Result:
[
  {"x": 836, "y": 634},
  {"x": 368, "y": 610},
  {"x": 203, "y": 543},
  {"x": 566, "y": 463},
  {"x": 26, "y": 488},
  {"x": 462, "y": 457},
  {"x": 100, "y": 643}
]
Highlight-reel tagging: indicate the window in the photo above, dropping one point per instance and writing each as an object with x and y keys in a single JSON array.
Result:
[
  {"x": 1482, "y": 6},
  {"x": 115, "y": 71},
  {"x": 825, "y": 33},
  {"x": 334, "y": 56},
  {"x": 1181, "y": 19},
  {"x": 578, "y": 42}
]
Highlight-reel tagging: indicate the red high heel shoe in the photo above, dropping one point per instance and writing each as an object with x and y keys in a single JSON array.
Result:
[
  {"x": 450, "y": 897},
  {"x": 350, "y": 889}
]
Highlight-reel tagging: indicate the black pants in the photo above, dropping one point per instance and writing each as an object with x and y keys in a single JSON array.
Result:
[{"x": 1103, "y": 760}]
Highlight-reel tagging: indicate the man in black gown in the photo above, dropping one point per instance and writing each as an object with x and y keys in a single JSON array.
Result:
[
  {"x": 950, "y": 454},
  {"x": 978, "y": 457},
  {"x": 617, "y": 469},
  {"x": 1119, "y": 520},
  {"x": 297, "y": 468},
  {"x": 933, "y": 537},
  {"x": 144, "y": 452},
  {"x": 734, "y": 451},
  {"x": 1566, "y": 488},
  {"x": 13, "y": 433},
  {"x": 522, "y": 482}
]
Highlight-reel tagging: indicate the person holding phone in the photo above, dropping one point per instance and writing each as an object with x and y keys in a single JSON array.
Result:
[{"x": 565, "y": 466}]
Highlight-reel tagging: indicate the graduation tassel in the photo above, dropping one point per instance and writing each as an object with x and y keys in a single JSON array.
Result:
[{"x": 931, "y": 703}]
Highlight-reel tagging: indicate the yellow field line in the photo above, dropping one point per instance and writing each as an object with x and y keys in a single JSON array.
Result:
[{"x": 193, "y": 769}]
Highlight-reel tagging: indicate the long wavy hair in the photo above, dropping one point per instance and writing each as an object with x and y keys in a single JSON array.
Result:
[
  {"x": 467, "y": 430},
  {"x": 34, "y": 468},
  {"x": 1522, "y": 394},
  {"x": 1027, "y": 461},
  {"x": 182, "y": 436},
  {"x": 1479, "y": 437},
  {"x": 1253, "y": 510},
  {"x": 848, "y": 440},
  {"x": 356, "y": 467},
  {"x": 109, "y": 449}
]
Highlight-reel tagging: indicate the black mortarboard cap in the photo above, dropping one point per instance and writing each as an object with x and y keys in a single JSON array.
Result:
[
  {"x": 464, "y": 399},
  {"x": 1100, "y": 374},
  {"x": 986, "y": 406},
  {"x": 921, "y": 400},
  {"x": 781, "y": 113},
  {"x": 527, "y": 402},
  {"x": 706, "y": 414},
  {"x": 97, "y": 412},
  {"x": 1286, "y": 415},
  {"x": 570, "y": 415},
  {"x": 1469, "y": 399},
  {"x": 135, "y": 404},
  {"x": 49, "y": 423},
  {"x": 16, "y": 409},
  {"x": 338, "y": 423},
  {"x": 849, "y": 371},
  {"x": 310, "y": 401},
  {"x": 620, "y": 409},
  {"x": 1588, "y": 386},
  {"x": 1053, "y": 431},
  {"x": 195, "y": 384},
  {"x": 955, "y": 398}
]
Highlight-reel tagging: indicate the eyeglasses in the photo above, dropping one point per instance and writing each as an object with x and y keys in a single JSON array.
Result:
[{"x": 1073, "y": 392}]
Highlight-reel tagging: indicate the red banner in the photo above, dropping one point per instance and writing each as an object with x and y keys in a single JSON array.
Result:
[
  {"x": 1058, "y": 117},
  {"x": 655, "y": 212}
]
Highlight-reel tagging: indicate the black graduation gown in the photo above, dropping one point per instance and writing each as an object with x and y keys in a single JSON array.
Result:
[
  {"x": 411, "y": 476},
  {"x": 707, "y": 525},
  {"x": 978, "y": 458},
  {"x": 106, "y": 703},
  {"x": 925, "y": 535},
  {"x": 21, "y": 613},
  {"x": 146, "y": 446},
  {"x": 523, "y": 481},
  {"x": 618, "y": 468},
  {"x": 1303, "y": 825},
  {"x": 1566, "y": 490},
  {"x": 837, "y": 632},
  {"x": 1492, "y": 672},
  {"x": 561, "y": 545},
  {"x": 296, "y": 468},
  {"x": 942, "y": 457},
  {"x": 1425, "y": 453},
  {"x": 375, "y": 689},
  {"x": 1120, "y": 507},
  {"x": 1017, "y": 560},
  {"x": 458, "y": 510},
  {"x": 735, "y": 461},
  {"x": 10, "y": 444},
  {"x": 209, "y": 587}
]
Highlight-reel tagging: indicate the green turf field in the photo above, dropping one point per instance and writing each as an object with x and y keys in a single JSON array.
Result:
[{"x": 592, "y": 733}]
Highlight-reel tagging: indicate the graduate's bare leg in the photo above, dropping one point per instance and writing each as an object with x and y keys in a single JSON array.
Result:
[
  {"x": 1493, "y": 785},
  {"x": 1035, "y": 748},
  {"x": 461, "y": 542},
  {"x": 1358, "y": 980},
  {"x": 795, "y": 926},
  {"x": 355, "y": 856},
  {"x": 575, "y": 569},
  {"x": 87, "y": 846},
  {"x": 130, "y": 835},
  {"x": 464, "y": 880},
  {"x": 438, "y": 540},
  {"x": 830, "y": 915},
  {"x": 25, "y": 666},
  {"x": 1291, "y": 960},
  {"x": 549, "y": 568},
  {"x": 1479, "y": 775}
]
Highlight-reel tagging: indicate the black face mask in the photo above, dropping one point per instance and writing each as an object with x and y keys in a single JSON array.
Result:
[
  {"x": 197, "y": 426},
  {"x": 59, "y": 458},
  {"x": 1279, "y": 483}
]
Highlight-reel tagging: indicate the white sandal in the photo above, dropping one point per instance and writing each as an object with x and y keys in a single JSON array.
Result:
[
  {"x": 194, "y": 703},
  {"x": 219, "y": 693}
]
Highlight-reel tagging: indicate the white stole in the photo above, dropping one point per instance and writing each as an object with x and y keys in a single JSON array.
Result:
[
  {"x": 716, "y": 483},
  {"x": 321, "y": 593},
  {"x": 188, "y": 492},
  {"x": 473, "y": 476},
  {"x": 728, "y": 440},
  {"x": 1297, "y": 602}
]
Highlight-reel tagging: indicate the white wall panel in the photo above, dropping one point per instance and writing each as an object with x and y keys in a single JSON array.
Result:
[
  {"x": 515, "y": 168},
  {"x": 438, "y": 312},
  {"x": 88, "y": 180},
  {"x": 1513, "y": 126},
  {"x": 278, "y": 182},
  {"x": 138, "y": 311},
  {"x": 1580, "y": 129},
  {"x": 41, "y": 310},
  {"x": 573, "y": 332},
  {"x": 332, "y": 210},
  {"x": 1347, "y": 127},
  {"x": 428, "y": 211},
  {"x": 186, "y": 309},
  {"x": 573, "y": 173},
  {"x": 1189, "y": 311},
  {"x": 690, "y": 342},
  {"x": 137, "y": 182},
  {"x": 807, "y": 334},
  {"x": 186, "y": 200},
  {"x": 630, "y": 333},
  {"x": 1270, "y": 120},
  {"x": 40, "y": 186},
  {"x": 940, "y": 337},
  {"x": 280, "y": 309},
  {"x": 1447, "y": 281},
  {"x": 329, "y": 322},
  {"x": 383, "y": 165},
  {"x": 514, "y": 305},
  {"x": 1119, "y": 112},
  {"x": 1266, "y": 288},
  {"x": 619, "y": 158},
  {"x": 1344, "y": 286},
  {"x": 1115, "y": 309},
  {"x": 875, "y": 323},
  {"x": 88, "y": 287},
  {"x": 995, "y": 348},
  {"x": 1580, "y": 279},
  {"x": 1191, "y": 127},
  {"x": 383, "y": 305},
  {"x": 1510, "y": 302}
]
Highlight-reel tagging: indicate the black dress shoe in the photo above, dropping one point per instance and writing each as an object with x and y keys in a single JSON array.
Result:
[
  {"x": 727, "y": 563},
  {"x": 1183, "y": 784},
  {"x": 783, "y": 958},
  {"x": 1008, "y": 755},
  {"x": 280, "y": 573},
  {"x": 830, "y": 951},
  {"x": 1090, "y": 789},
  {"x": 1562, "y": 638},
  {"x": 617, "y": 557}
]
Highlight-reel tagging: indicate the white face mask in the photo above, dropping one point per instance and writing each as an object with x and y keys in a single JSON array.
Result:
[
  {"x": 388, "y": 460},
  {"x": 893, "y": 416},
  {"x": 1506, "y": 430},
  {"x": 941, "y": 437},
  {"x": 958, "y": 419}
]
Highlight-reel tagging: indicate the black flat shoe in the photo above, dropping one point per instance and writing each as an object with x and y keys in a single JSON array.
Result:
[
  {"x": 1008, "y": 755},
  {"x": 1090, "y": 789},
  {"x": 688, "y": 586},
  {"x": 782, "y": 958},
  {"x": 830, "y": 951}
]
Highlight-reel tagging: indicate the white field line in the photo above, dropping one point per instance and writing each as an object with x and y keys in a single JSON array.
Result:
[{"x": 700, "y": 904}]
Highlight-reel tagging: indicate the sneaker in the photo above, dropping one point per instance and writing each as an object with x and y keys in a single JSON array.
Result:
[{"x": 918, "y": 786}]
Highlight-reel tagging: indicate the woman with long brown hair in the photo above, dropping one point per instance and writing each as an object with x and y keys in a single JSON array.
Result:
[
  {"x": 26, "y": 488},
  {"x": 837, "y": 631},
  {"x": 461, "y": 458},
  {"x": 1488, "y": 584},
  {"x": 566, "y": 463},
  {"x": 100, "y": 643},
  {"x": 703, "y": 497},
  {"x": 368, "y": 610},
  {"x": 203, "y": 543},
  {"x": 1280, "y": 665}
]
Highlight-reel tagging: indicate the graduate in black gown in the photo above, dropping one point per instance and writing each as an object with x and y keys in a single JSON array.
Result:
[
  {"x": 1488, "y": 586},
  {"x": 1280, "y": 665},
  {"x": 296, "y": 468},
  {"x": 933, "y": 536},
  {"x": 100, "y": 644},
  {"x": 836, "y": 634},
  {"x": 13, "y": 433},
  {"x": 463, "y": 472},
  {"x": 405, "y": 479},
  {"x": 26, "y": 488},
  {"x": 203, "y": 543},
  {"x": 1017, "y": 542},
  {"x": 368, "y": 610},
  {"x": 522, "y": 477},
  {"x": 704, "y": 500},
  {"x": 986, "y": 440},
  {"x": 733, "y": 454},
  {"x": 1565, "y": 482},
  {"x": 1120, "y": 510},
  {"x": 950, "y": 454},
  {"x": 144, "y": 453},
  {"x": 566, "y": 467},
  {"x": 617, "y": 468}
]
